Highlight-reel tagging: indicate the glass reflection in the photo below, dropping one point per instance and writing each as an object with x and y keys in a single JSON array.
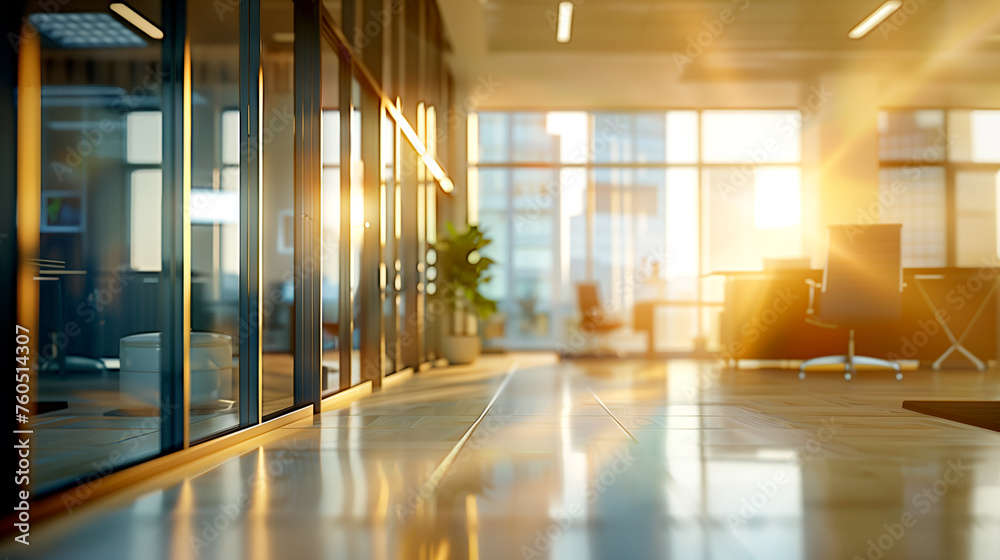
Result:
[
  {"x": 278, "y": 198},
  {"x": 215, "y": 220},
  {"x": 330, "y": 196},
  {"x": 390, "y": 231},
  {"x": 358, "y": 228},
  {"x": 98, "y": 267}
]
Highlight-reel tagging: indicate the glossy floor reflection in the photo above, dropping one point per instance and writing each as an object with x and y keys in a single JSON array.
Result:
[{"x": 586, "y": 460}]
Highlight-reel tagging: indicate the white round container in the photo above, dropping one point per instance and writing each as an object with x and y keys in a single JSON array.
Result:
[{"x": 211, "y": 368}]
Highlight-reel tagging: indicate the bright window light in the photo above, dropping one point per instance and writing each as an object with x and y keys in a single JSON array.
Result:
[
  {"x": 230, "y": 137},
  {"x": 682, "y": 225},
  {"x": 472, "y": 184},
  {"x": 777, "y": 197},
  {"x": 757, "y": 137},
  {"x": 136, "y": 19},
  {"x": 144, "y": 137},
  {"x": 564, "y": 24},
  {"x": 682, "y": 137},
  {"x": 877, "y": 17},
  {"x": 330, "y": 137},
  {"x": 145, "y": 215},
  {"x": 430, "y": 133},
  {"x": 215, "y": 207},
  {"x": 571, "y": 127},
  {"x": 985, "y": 133},
  {"x": 229, "y": 178}
]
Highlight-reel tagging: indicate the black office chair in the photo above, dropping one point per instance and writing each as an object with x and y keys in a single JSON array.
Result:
[{"x": 862, "y": 285}]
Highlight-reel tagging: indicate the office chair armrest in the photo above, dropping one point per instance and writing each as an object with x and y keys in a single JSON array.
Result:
[
  {"x": 817, "y": 323},
  {"x": 811, "y": 310}
]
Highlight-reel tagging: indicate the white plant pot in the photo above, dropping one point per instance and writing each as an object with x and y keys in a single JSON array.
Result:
[{"x": 460, "y": 349}]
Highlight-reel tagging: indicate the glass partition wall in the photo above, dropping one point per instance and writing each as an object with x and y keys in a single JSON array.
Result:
[
  {"x": 278, "y": 224},
  {"x": 95, "y": 184},
  {"x": 204, "y": 249},
  {"x": 215, "y": 219}
]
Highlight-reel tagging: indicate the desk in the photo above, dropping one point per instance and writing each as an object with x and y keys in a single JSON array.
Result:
[{"x": 764, "y": 318}]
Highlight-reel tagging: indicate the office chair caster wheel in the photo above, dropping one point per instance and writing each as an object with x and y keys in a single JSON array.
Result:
[
  {"x": 847, "y": 376},
  {"x": 899, "y": 376},
  {"x": 802, "y": 375}
]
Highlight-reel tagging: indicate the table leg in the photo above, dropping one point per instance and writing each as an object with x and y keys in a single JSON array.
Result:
[{"x": 956, "y": 342}]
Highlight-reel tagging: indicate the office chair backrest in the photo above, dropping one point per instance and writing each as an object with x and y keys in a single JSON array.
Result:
[
  {"x": 863, "y": 278},
  {"x": 590, "y": 304}
]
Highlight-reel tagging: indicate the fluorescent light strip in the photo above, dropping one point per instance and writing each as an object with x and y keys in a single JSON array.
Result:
[
  {"x": 564, "y": 25},
  {"x": 432, "y": 165},
  {"x": 877, "y": 17},
  {"x": 136, "y": 19}
]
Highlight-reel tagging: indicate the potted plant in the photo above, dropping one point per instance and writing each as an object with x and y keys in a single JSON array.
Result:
[{"x": 463, "y": 271}]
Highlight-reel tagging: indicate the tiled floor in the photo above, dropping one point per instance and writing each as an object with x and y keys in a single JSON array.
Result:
[{"x": 616, "y": 459}]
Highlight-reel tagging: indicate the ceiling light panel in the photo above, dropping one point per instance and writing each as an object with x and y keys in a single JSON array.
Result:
[
  {"x": 564, "y": 23},
  {"x": 138, "y": 20},
  {"x": 85, "y": 31},
  {"x": 876, "y": 17}
]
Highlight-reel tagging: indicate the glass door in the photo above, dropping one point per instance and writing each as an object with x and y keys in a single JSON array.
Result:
[
  {"x": 278, "y": 220},
  {"x": 215, "y": 219},
  {"x": 90, "y": 204},
  {"x": 391, "y": 230},
  {"x": 331, "y": 216}
]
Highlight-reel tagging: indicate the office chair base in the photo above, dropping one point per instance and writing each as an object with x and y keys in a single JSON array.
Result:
[{"x": 850, "y": 363}]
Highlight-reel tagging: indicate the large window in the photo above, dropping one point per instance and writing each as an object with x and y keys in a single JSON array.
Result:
[
  {"x": 645, "y": 204},
  {"x": 932, "y": 160}
]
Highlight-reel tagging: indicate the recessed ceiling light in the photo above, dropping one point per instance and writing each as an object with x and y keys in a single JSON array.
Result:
[
  {"x": 564, "y": 24},
  {"x": 877, "y": 17},
  {"x": 136, "y": 19},
  {"x": 85, "y": 31}
]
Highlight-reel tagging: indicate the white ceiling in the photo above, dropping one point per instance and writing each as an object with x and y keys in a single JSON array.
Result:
[{"x": 631, "y": 52}]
